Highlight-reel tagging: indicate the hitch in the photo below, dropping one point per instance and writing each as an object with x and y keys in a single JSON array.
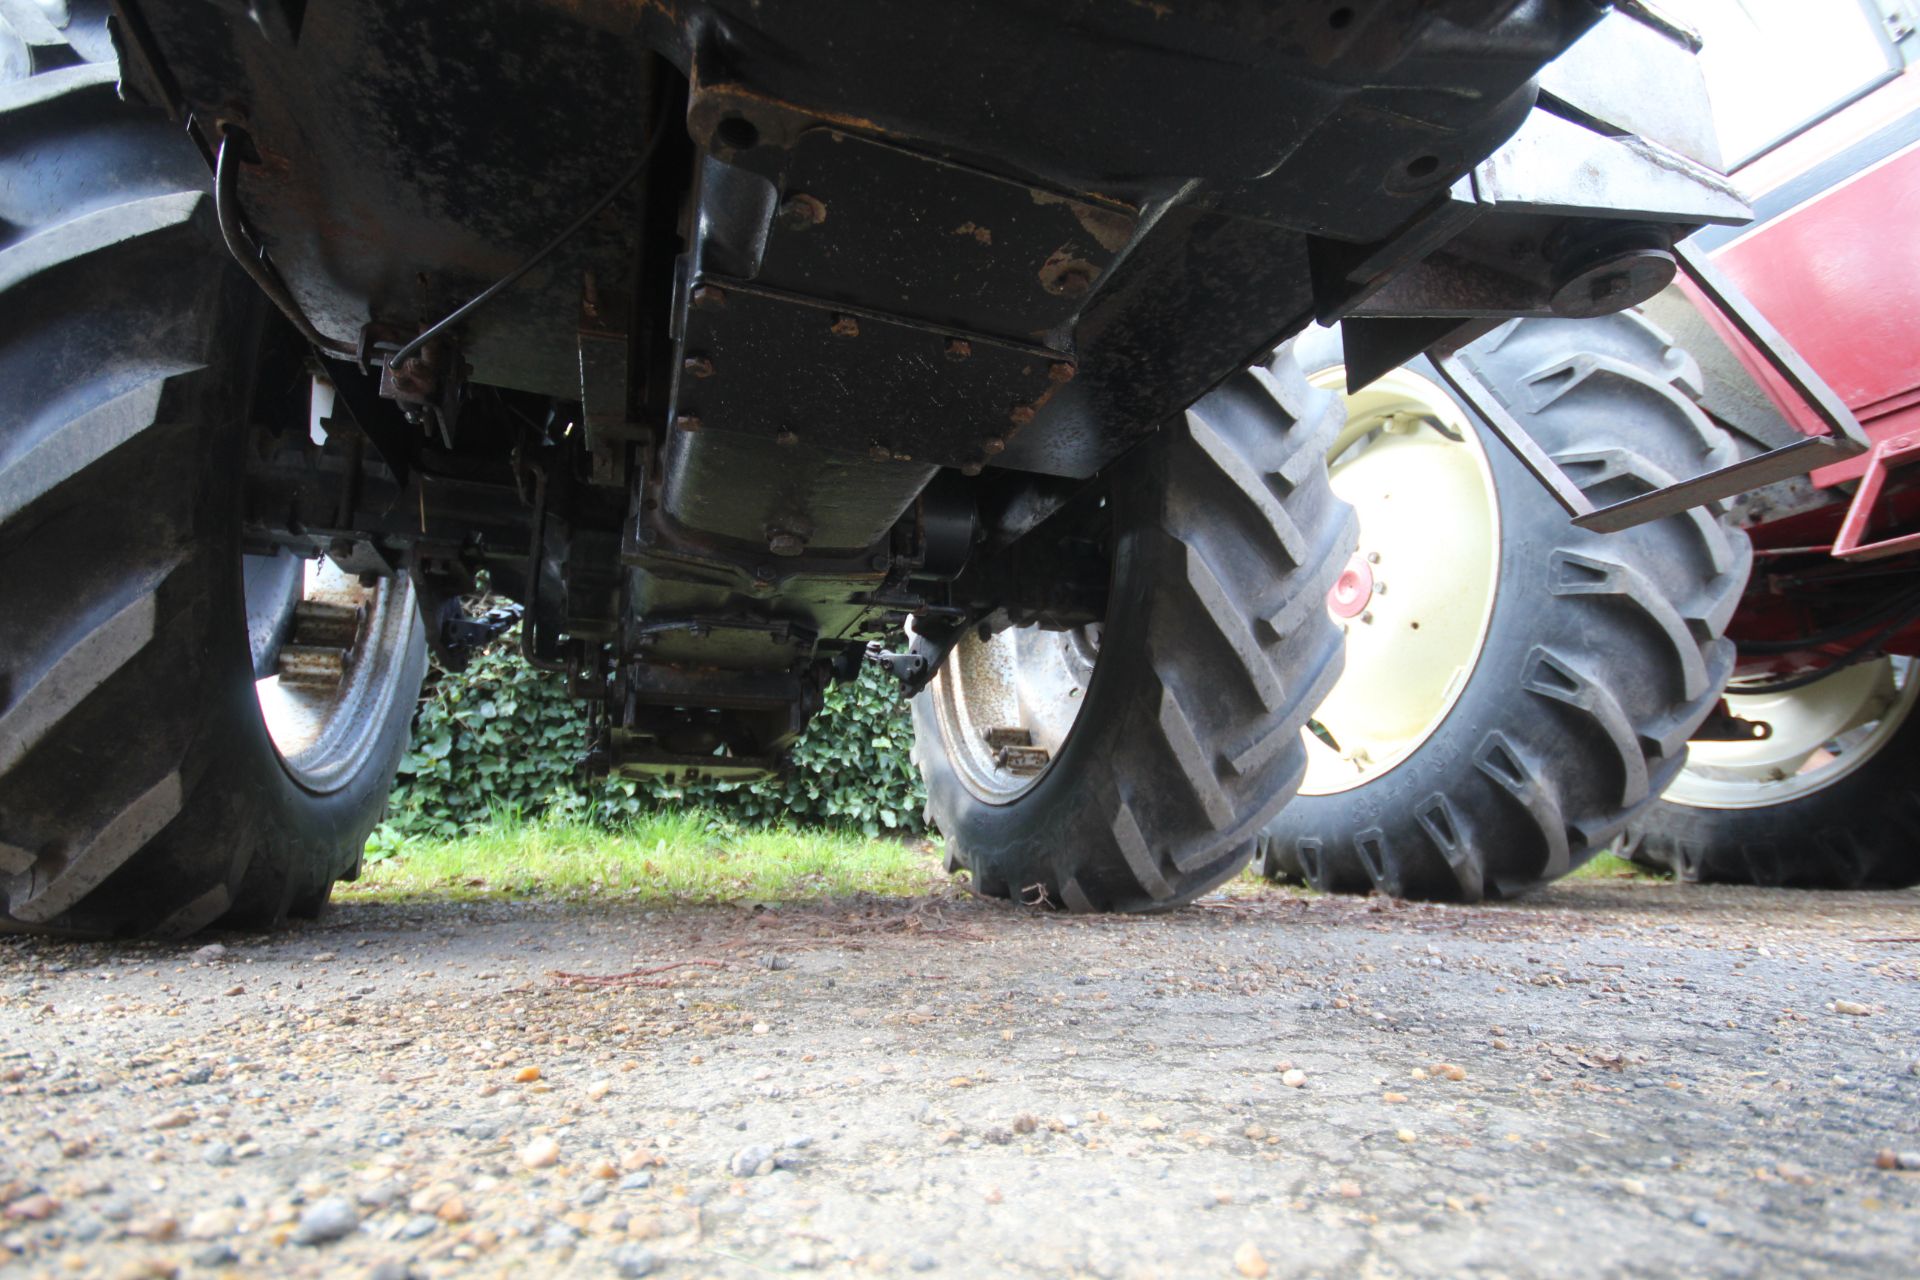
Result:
[{"x": 911, "y": 669}]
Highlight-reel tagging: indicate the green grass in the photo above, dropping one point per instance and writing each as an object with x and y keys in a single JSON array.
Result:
[
  {"x": 1606, "y": 866},
  {"x": 691, "y": 855}
]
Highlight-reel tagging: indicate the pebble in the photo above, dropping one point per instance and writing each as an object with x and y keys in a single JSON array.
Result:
[
  {"x": 750, "y": 1160},
  {"x": 34, "y": 1208},
  {"x": 418, "y": 1225},
  {"x": 636, "y": 1181},
  {"x": 211, "y": 1224},
  {"x": 1853, "y": 1008},
  {"x": 542, "y": 1153},
  {"x": 527, "y": 1075},
  {"x": 212, "y": 951},
  {"x": 1448, "y": 1071},
  {"x": 217, "y": 1254},
  {"x": 327, "y": 1220},
  {"x": 1293, "y": 1078},
  {"x": 218, "y": 1154},
  {"x": 1406, "y": 1135},
  {"x": 1250, "y": 1262},
  {"x": 922, "y": 1262},
  {"x": 631, "y": 1261}
]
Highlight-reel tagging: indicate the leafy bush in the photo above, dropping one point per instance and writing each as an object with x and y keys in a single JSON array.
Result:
[{"x": 501, "y": 737}]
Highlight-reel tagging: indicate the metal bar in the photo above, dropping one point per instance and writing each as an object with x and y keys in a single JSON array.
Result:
[
  {"x": 1795, "y": 459},
  {"x": 1775, "y": 349},
  {"x": 1849, "y": 544},
  {"x": 1460, "y": 375}
]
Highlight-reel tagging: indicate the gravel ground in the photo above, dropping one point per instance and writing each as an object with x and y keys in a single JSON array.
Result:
[{"x": 1608, "y": 1079}]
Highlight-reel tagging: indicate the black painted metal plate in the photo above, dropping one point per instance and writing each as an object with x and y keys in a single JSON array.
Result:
[
  {"x": 784, "y": 367},
  {"x": 875, "y": 225}
]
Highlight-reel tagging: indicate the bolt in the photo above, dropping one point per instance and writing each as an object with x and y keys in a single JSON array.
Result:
[
  {"x": 879, "y": 452},
  {"x": 1373, "y": 557},
  {"x": 707, "y": 298},
  {"x": 800, "y": 211},
  {"x": 883, "y": 562},
  {"x": 1022, "y": 414},
  {"x": 687, "y": 422},
  {"x": 1379, "y": 588},
  {"x": 1367, "y": 617},
  {"x": 846, "y": 327},
  {"x": 970, "y": 468},
  {"x": 1611, "y": 285},
  {"x": 786, "y": 543},
  {"x": 786, "y": 436},
  {"x": 992, "y": 445},
  {"x": 1061, "y": 372},
  {"x": 958, "y": 348},
  {"x": 697, "y": 366}
]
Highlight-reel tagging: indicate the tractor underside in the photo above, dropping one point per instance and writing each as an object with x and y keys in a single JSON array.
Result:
[{"x": 860, "y": 308}]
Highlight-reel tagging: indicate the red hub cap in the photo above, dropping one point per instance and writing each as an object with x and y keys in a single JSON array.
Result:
[{"x": 1351, "y": 590}]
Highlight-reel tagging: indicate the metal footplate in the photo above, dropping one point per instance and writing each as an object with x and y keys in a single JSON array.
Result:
[{"x": 1457, "y": 368}]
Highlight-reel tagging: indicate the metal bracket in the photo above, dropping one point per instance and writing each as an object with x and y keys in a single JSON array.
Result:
[
  {"x": 1795, "y": 459},
  {"x": 1885, "y": 455}
]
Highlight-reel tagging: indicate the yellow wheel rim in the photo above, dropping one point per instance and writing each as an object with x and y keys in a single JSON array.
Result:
[{"x": 1418, "y": 596}]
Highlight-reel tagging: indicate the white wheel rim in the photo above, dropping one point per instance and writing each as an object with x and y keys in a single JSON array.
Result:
[
  {"x": 1819, "y": 734},
  {"x": 324, "y": 727},
  {"x": 1006, "y": 704},
  {"x": 323, "y": 731},
  {"x": 1417, "y": 600}
]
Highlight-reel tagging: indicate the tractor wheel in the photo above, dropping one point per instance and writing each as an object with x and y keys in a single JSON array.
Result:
[
  {"x": 1516, "y": 688},
  {"x": 1830, "y": 799},
  {"x": 149, "y": 783},
  {"x": 1128, "y": 766}
]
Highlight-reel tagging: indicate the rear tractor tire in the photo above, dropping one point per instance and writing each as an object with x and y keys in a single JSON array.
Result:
[
  {"x": 1516, "y": 688},
  {"x": 1830, "y": 799},
  {"x": 1128, "y": 766},
  {"x": 149, "y": 784}
]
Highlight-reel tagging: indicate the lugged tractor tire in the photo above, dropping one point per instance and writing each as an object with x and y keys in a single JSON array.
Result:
[
  {"x": 140, "y": 790},
  {"x": 1214, "y": 648},
  {"x": 1851, "y": 821},
  {"x": 1599, "y": 655}
]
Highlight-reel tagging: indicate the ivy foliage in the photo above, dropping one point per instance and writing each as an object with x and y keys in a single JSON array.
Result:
[{"x": 502, "y": 737}]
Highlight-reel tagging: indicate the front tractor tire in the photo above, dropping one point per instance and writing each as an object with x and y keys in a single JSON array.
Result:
[
  {"x": 1128, "y": 766},
  {"x": 1516, "y": 688},
  {"x": 149, "y": 784}
]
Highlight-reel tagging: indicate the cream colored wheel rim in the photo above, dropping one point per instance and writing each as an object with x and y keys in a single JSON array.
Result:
[
  {"x": 1005, "y": 704},
  {"x": 1818, "y": 734},
  {"x": 1417, "y": 598}
]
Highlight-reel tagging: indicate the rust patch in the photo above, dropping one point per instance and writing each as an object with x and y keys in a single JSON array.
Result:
[
  {"x": 1066, "y": 274},
  {"x": 980, "y": 234}
]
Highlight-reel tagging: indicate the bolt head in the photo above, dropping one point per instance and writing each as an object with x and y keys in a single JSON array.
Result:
[
  {"x": 708, "y": 298},
  {"x": 786, "y": 543},
  {"x": 697, "y": 366},
  {"x": 688, "y": 422},
  {"x": 992, "y": 445}
]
